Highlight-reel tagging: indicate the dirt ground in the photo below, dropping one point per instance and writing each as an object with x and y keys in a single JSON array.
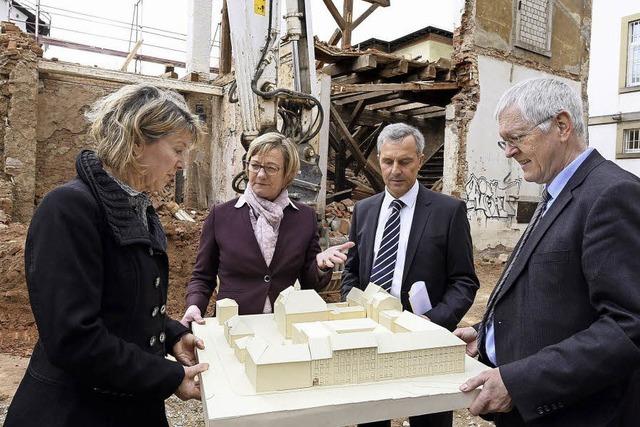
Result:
[{"x": 18, "y": 332}]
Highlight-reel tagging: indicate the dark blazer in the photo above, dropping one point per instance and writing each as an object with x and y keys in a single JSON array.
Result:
[
  {"x": 229, "y": 250},
  {"x": 567, "y": 321},
  {"x": 439, "y": 253},
  {"x": 97, "y": 283}
]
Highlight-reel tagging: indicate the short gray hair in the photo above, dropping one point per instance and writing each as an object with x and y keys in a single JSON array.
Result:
[
  {"x": 396, "y": 132},
  {"x": 537, "y": 99}
]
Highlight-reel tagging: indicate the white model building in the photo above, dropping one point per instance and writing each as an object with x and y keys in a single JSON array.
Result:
[
  {"x": 226, "y": 308},
  {"x": 317, "y": 344}
]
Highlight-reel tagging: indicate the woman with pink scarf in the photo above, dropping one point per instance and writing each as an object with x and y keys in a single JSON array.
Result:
[{"x": 262, "y": 242}]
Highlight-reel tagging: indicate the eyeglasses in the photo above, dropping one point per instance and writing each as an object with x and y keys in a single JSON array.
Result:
[
  {"x": 516, "y": 141},
  {"x": 254, "y": 167}
]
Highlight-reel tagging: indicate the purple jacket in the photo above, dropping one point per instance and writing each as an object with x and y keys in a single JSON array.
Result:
[{"x": 229, "y": 249}]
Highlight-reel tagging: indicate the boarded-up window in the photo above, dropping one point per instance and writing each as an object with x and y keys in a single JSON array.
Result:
[{"x": 533, "y": 25}]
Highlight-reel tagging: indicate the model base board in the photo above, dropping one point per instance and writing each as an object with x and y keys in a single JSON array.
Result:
[{"x": 230, "y": 399}]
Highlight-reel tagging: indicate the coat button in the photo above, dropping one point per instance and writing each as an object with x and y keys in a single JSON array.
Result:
[
  {"x": 156, "y": 283},
  {"x": 163, "y": 309},
  {"x": 267, "y": 278},
  {"x": 151, "y": 251},
  {"x": 162, "y": 337},
  {"x": 152, "y": 341},
  {"x": 539, "y": 410},
  {"x": 154, "y": 312}
]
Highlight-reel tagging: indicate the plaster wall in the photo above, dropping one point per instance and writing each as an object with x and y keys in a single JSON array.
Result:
[
  {"x": 493, "y": 183},
  {"x": 495, "y": 22},
  {"x": 603, "y": 139},
  {"x": 61, "y": 128},
  {"x": 431, "y": 50},
  {"x": 604, "y": 65}
]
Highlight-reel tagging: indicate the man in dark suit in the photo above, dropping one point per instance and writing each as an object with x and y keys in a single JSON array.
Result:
[
  {"x": 562, "y": 325},
  {"x": 410, "y": 234}
]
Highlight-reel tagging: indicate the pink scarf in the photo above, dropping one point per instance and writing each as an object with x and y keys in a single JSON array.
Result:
[{"x": 265, "y": 219}]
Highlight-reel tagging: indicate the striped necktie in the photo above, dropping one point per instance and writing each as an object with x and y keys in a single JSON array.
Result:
[
  {"x": 535, "y": 220},
  {"x": 385, "y": 263}
]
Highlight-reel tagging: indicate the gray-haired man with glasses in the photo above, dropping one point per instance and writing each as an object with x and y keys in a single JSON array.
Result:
[{"x": 562, "y": 326}]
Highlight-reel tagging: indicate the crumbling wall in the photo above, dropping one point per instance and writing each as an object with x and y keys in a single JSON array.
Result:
[
  {"x": 62, "y": 128},
  {"x": 19, "y": 83},
  {"x": 463, "y": 105},
  {"x": 226, "y": 149},
  {"x": 198, "y": 191},
  {"x": 487, "y": 63}
]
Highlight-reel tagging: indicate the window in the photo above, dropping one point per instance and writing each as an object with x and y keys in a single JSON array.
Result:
[
  {"x": 628, "y": 139},
  {"x": 633, "y": 54},
  {"x": 533, "y": 25},
  {"x": 631, "y": 140},
  {"x": 630, "y": 53}
]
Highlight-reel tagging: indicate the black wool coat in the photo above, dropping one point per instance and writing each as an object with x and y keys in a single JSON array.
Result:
[{"x": 97, "y": 282}]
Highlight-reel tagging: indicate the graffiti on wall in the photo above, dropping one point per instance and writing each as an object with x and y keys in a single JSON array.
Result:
[{"x": 489, "y": 198}]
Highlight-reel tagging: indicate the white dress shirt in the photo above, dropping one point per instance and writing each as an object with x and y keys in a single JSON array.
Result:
[{"x": 406, "y": 218}]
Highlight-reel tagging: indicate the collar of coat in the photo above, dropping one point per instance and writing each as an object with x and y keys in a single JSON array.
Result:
[{"x": 121, "y": 218}]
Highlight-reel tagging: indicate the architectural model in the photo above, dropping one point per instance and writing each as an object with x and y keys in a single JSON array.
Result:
[{"x": 366, "y": 339}]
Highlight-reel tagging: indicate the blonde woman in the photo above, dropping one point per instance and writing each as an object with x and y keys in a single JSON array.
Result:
[
  {"x": 262, "y": 242},
  {"x": 97, "y": 273}
]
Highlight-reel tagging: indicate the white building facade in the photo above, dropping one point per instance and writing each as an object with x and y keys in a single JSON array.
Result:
[{"x": 614, "y": 83}]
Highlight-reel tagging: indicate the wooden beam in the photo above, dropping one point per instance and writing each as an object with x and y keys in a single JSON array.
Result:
[
  {"x": 395, "y": 69},
  {"x": 386, "y": 104},
  {"x": 373, "y": 177},
  {"x": 356, "y": 113},
  {"x": 131, "y": 55},
  {"x": 375, "y": 117},
  {"x": 104, "y": 51},
  {"x": 68, "y": 69},
  {"x": 426, "y": 110},
  {"x": 432, "y": 115},
  {"x": 350, "y": 98},
  {"x": 412, "y": 86},
  {"x": 408, "y": 107},
  {"x": 225, "y": 41},
  {"x": 347, "y": 15},
  {"x": 336, "y": 15},
  {"x": 337, "y": 34},
  {"x": 362, "y": 63},
  {"x": 383, "y": 3}
]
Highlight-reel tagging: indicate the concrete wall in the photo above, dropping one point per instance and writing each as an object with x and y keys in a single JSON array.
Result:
[
  {"x": 605, "y": 98},
  {"x": 494, "y": 184}
]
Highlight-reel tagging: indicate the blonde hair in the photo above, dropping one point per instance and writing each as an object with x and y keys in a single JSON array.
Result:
[
  {"x": 276, "y": 141},
  {"x": 135, "y": 115}
]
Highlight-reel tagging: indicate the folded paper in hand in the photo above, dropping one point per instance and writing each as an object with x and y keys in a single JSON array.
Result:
[{"x": 419, "y": 298}]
